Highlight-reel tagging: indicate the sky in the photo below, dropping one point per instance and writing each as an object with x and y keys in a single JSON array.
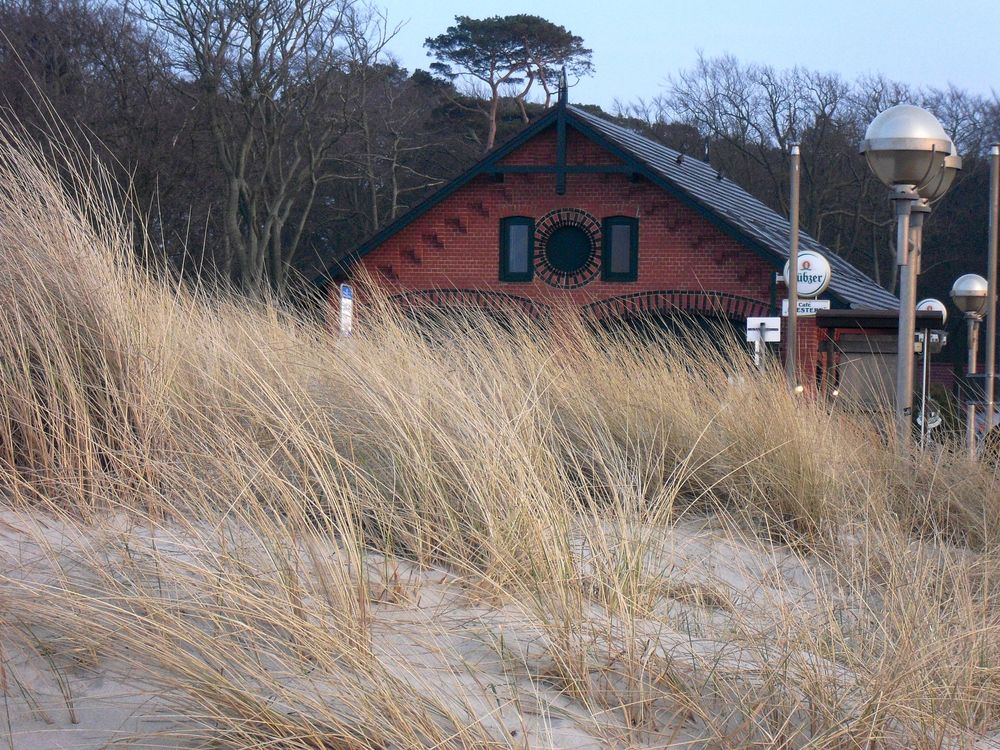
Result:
[{"x": 638, "y": 44}]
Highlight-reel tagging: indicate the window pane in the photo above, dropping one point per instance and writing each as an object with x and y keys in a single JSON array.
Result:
[
  {"x": 621, "y": 248},
  {"x": 517, "y": 248}
]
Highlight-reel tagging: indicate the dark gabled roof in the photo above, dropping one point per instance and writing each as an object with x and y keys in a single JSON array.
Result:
[
  {"x": 694, "y": 182},
  {"x": 702, "y": 183}
]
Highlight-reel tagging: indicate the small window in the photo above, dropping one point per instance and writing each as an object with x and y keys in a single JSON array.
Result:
[
  {"x": 517, "y": 248},
  {"x": 621, "y": 249}
]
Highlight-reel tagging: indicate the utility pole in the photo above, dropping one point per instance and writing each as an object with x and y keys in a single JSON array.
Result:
[
  {"x": 792, "y": 282},
  {"x": 972, "y": 321},
  {"x": 991, "y": 293}
]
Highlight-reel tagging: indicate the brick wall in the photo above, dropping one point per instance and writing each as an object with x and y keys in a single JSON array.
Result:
[{"x": 456, "y": 244}]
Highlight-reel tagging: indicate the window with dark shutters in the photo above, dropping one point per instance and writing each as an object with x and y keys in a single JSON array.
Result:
[
  {"x": 517, "y": 248},
  {"x": 621, "y": 249}
]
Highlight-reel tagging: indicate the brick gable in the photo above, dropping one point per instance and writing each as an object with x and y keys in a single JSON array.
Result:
[
  {"x": 456, "y": 244},
  {"x": 449, "y": 254}
]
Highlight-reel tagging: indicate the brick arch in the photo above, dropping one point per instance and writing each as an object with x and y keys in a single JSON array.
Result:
[
  {"x": 493, "y": 302},
  {"x": 731, "y": 306}
]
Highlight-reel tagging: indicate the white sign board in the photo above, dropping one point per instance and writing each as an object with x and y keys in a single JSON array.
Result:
[
  {"x": 770, "y": 327},
  {"x": 806, "y": 307},
  {"x": 346, "y": 310},
  {"x": 814, "y": 273}
]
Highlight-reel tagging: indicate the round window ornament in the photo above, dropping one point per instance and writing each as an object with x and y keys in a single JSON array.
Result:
[
  {"x": 568, "y": 242},
  {"x": 814, "y": 273}
]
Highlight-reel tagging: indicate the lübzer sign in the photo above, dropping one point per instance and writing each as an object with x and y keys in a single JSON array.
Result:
[{"x": 814, "y": 273}]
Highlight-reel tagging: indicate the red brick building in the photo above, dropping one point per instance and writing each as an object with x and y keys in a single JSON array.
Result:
[{"x": 579, "y": 210}]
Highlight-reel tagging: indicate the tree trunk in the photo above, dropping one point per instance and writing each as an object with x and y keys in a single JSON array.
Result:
[{"x": 491, "y": 136}]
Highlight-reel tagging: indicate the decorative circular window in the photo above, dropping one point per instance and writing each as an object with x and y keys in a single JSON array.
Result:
[{"x": 568, "y": 243}]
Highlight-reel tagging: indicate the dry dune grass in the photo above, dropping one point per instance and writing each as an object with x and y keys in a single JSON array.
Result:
[{"x": 221, "y": 527}]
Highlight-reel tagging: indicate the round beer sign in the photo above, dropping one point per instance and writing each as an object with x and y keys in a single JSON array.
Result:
[
  {"x": 814, "y": 273},
  {"x": 934, "y": 304}
]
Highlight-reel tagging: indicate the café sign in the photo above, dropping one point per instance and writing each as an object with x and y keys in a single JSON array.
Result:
[{"x": 806, "y": 307}]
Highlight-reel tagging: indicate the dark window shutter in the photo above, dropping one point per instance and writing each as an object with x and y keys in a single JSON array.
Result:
[{"x": 620, "y": 260}]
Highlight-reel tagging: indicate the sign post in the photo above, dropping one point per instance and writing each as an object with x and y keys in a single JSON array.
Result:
[
  {"x": 761, "y": 331},
  {"x": 811, "y": 279},
  {"x": 346, "y": 310}
]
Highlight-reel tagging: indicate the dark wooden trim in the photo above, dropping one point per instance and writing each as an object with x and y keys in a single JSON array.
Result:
[
  {"x": 556, "y": 169},
  {"x": 561, "y": 150},
  {"x": 633, "y": 224},
  {"x": 885, "y": 320}
]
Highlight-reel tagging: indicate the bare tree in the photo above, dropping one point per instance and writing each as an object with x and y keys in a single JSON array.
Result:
[
  {"x": 752, "y": 113},
  {"x": 390, "y": 122},
  {"x": 397, "y": 149},
  {"x": 267, "y": 75}
]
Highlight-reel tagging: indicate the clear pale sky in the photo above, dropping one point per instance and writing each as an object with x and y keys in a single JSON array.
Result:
[{"x": 638, "y": 43}]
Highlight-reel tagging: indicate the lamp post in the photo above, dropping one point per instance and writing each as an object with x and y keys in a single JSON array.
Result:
[
  {"x": 991, "y": 296},
  {"x": 905, "y": 147},
  {"x": 792, "y": 281},
  {"x": 969, "y": 293},
  {"x": 938, "y": 306}
]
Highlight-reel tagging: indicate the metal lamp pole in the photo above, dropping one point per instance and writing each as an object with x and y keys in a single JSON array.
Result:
[
  {"x": 937, "y": 306},
  {"x": 792, "y": 282},
  {"x": 904, "y": 196},
  {"x": 906, "y": 148},
  {"x": 918, "y": 212},
  {"x": 970, "y": 293},
  {"x": 991, "y": 280},
  {"x": 924, "y": 385},
  {"x": 972, "y": 321}
]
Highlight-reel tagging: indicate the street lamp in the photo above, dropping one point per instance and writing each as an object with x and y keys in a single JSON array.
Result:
[
  {"x": 969, "y": 293},
  {"x": 930, "y": 193},
  {"x": 991, "y": 297},
  {"x": 945, "y": 177},
  {"x": 905, "y": 147}
]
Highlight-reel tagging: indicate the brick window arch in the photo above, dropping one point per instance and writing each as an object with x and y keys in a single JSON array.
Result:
[{"x": 724, "y": 304}]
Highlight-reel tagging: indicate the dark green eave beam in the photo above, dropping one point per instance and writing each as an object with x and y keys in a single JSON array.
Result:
[
  {"x": 561, "y": 149},
  {"x": 563, "y": 170}
]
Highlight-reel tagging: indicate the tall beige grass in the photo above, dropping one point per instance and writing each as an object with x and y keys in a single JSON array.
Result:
[{"x": 466, "y": 537}]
